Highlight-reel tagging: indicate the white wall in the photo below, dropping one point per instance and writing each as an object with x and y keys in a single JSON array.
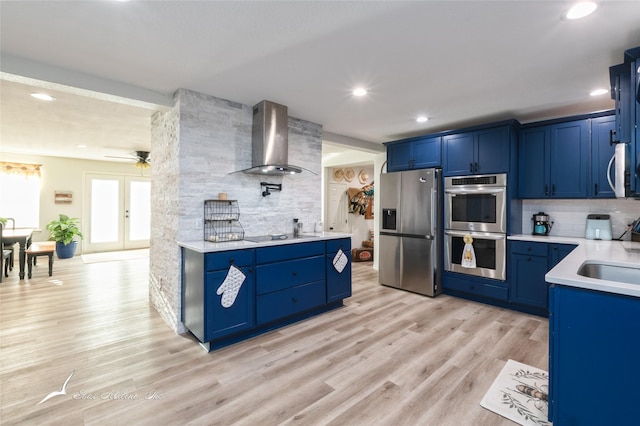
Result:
[{"x": 66, "y": 174}]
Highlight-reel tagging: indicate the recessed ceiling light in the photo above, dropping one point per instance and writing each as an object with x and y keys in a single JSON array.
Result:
[
  {"x": 599, "y": 92},
  {"x": 422, "y": 119},
  {"x": 81, "y": 146},
  {"x": 581, "y": 9},
  {"x": 360, "y": 91},
  {"x": 43, "y": 96}
]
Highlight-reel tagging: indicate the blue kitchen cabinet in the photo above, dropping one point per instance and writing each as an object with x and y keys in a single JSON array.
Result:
[
  {"x": 277, "y": 285},
  {"x": 203, "y": 310},
  {"x": 569, "y": 159},
  {"x": 289, "y": 287},
  {"x": 528, "y": 263},
  {"x": 601, "y": 152},
  {"x": 625, "y": 91},
  {"x": 553, "y": 160},
  {"x": 338, "y": 280},
  {"x": 475, "y": 288},
  {"x": 533, "y": 166},
  {"x": 593, "y": 357},
  {"x": 414, "y": 153},
  {"x": 477, "y": 152}
]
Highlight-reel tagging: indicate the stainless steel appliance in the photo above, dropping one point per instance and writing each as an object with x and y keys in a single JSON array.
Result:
[
  {"x": 541, "y": 224},
  {"x": 476, "y": 203},
  {"x": 598, "y": 227},
  {"x": 476, "y": 206},
  {"x": 409, "y": 243}
]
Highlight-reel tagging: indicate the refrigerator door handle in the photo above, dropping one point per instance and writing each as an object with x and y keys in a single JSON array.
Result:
[
  {"x": 480, "y": 235},
  {"x": 433, "y": 211}
]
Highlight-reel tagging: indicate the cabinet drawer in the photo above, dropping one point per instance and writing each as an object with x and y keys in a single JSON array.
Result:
[
  {"x": 278, "y": 276},
  {"x": 497, "y": 292},
  {"x": 284, "y": 303},
  {"x": 289, "y": 251},
  {"x": 530, "y": 248},
  {"x": 217, "y": 261},
  {"x": 343, "y": 244}
]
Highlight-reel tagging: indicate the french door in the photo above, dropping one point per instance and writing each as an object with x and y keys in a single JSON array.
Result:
[{"x": 118, "y": 211}]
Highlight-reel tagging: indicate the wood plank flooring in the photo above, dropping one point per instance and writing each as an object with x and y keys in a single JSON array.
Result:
[{"x": 387, "y": 357}]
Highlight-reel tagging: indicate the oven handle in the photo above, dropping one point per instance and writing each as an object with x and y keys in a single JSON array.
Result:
[
  {"x": 482, "y": 235},
  {"x": 475, "y": 191}
]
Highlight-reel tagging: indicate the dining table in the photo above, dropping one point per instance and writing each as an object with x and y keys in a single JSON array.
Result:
[{"x": 22, "y": 236}]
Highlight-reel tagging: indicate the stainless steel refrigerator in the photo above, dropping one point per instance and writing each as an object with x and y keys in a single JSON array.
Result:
[{"x": 409, "y": 245}]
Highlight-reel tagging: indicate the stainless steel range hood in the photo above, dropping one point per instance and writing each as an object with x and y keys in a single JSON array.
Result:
[{"x": 270, "y": 141}]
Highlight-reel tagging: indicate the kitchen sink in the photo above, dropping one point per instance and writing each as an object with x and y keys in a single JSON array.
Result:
[{"x": 603, "y": 271}]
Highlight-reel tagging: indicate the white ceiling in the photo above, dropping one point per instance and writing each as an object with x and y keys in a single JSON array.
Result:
[{"x": 458, "y": 62}]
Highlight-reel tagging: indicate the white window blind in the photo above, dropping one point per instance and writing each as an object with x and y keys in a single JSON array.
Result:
[{"x": 20, "y": 195}]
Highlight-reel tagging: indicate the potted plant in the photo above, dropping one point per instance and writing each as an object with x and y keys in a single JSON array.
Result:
[{"x": 63, "y": 231}]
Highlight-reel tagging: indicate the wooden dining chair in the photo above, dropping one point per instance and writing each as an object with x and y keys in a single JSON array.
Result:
[
  {"x": 10, "y": 246},
  {"x": 6, "y": 256}
]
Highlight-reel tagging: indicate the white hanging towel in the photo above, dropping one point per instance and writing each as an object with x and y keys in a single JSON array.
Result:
[
  {"x": 230, "y": 287},
  {"x": 468, "y": 254}
]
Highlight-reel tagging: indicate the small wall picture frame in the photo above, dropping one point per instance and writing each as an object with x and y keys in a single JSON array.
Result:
[{"x": 63, "y": 197}]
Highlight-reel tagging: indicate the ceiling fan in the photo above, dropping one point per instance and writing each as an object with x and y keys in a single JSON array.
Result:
[{"x": 142, "y": 159}]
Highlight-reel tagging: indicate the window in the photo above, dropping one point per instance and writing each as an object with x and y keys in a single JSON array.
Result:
[{"x": 20, "y": 194}]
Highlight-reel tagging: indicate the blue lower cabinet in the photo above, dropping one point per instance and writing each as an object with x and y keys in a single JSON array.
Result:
[
  {"x": 475, "y": 288},
  {"x": 338, "y": 269},
  {"x": 527, "y": 277},
  {"x": 285, "y": 303},
  {"x": 236, "y": 312},
  {"x": 528, "y": 264},
  {"x": 232, "y": 295},
  {"x": 593, "y": 359}
]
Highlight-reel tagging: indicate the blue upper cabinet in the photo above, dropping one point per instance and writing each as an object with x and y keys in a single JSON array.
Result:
[
  {"x": 602, "y": 150},
  {"x": 553, "y": 160},
  {"x": 569, "y": 159},
  {"x": 459, "y": 154},
  {"x": 625, "y": 91},
  {"x": 533, "y": 162},
  {"x": 415, "y": 153},
  {"x": 477, "y": 152}
]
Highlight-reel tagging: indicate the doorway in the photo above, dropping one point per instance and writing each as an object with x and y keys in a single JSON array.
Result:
[{"x": 119, "y": 212}]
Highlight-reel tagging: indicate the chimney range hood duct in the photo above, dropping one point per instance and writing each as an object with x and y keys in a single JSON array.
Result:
[{"x": 270, "y": 141}]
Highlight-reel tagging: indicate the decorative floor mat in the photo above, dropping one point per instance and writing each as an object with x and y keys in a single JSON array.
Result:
[{"x": 520, "y": 393}]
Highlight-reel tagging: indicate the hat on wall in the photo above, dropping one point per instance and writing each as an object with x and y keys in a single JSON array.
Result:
[
  {"x": 363, "y": 177},
  {"x": 349, "y": 174},
  {"x": 338, "y": 175}
]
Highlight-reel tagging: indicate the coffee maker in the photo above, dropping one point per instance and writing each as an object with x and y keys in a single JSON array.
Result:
[{"x": 541, "y": 224}]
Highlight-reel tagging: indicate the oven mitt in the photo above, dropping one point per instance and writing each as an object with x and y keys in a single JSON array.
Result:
[
  {"x": 230, "y": 287},
  {"x": 340, "y": 260},
  {"x": 468, "y": 254}
]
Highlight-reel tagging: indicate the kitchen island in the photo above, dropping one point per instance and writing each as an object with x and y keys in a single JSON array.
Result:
[
  {"x": 235, "y": 290},
  {"x": 594, "y": 336}
]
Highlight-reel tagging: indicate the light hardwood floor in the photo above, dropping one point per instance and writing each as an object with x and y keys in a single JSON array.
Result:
[{"x": 387, "y": 357}]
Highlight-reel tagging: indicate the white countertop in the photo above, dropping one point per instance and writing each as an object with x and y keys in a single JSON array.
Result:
[
  {"x": 202, "y": 246},
  {"x": 620, "y": 253}
]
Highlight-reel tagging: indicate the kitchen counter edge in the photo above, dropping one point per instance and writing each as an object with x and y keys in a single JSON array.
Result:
[
  {"x": 209, "y": 247},
  {"x": 620, "y": 253}
]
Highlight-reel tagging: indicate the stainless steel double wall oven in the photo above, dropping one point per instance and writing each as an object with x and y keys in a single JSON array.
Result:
[{"x": 476, "y": 206}]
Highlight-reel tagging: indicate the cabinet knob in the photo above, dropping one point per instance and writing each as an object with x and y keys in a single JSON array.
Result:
[
  {"x": 471, "y": 167},
  {"x": 553, "y": 189},
  {"x": 546, "y": 190}
]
